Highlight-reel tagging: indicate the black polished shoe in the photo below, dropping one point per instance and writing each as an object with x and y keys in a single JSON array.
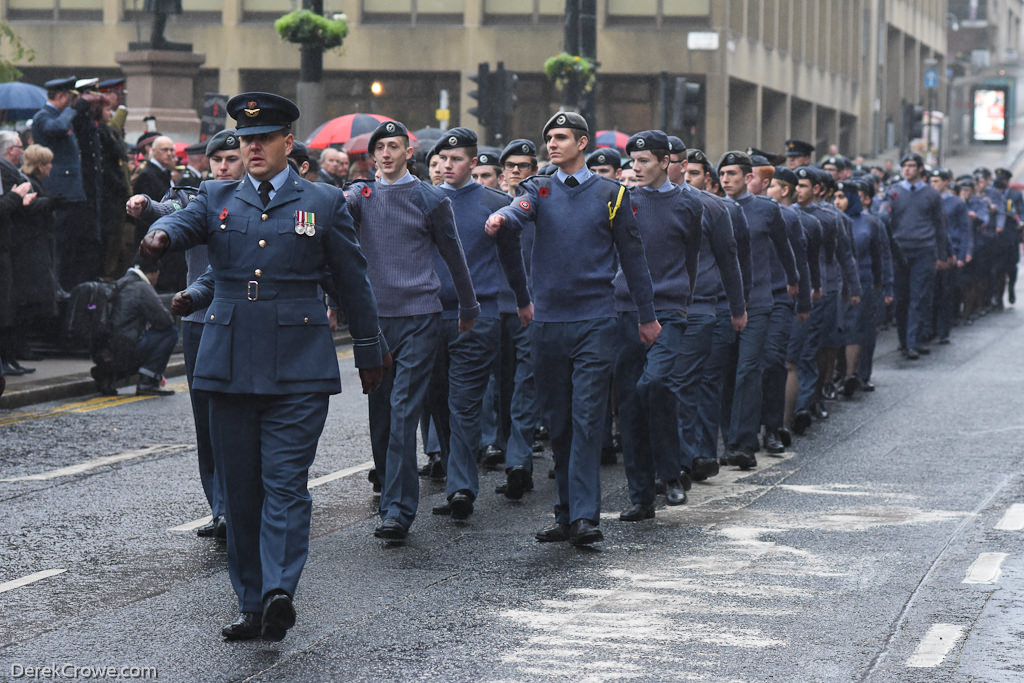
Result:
[
  {"x": 434, "y": 469},
  {"x": 492, "y": 458},
  {"x": 391, "y": 529},
  {"x": 517, "y": 483},
  {"x": 801, "y": 421},
  {"x": 104, "y": 383},
  {"x": 702, "y": 468},
  {"x": 11, "y": 371},
  {"x": 636, "y": 513},
  {"x": 220, "y": 532},
  {"x": 541, "y": 434},
  {"x": 828, "y": 391},
  {"x": 24, "y": 370},
  {"x": 374, "y": 480},
  {"x": 850, "y": 386},
  {"x": 818, "y": 411},
  {"x": 278, "y": 615},
  {"x": 866, "y": 385},
  {"x": 608, "y": 456},
  {"x": 584, "y": 532},
  {"x": 772, "y": 443},
  {"x": 659, "y": 487},
  {"x": 911, "y": 354},
  {"x": 923, "y": 349},
  {"x": 461, "y": 504},
  {"x": 742, "y": 459},
  {"x": 553, "y": 534},
  {"x": 151, "y": 386},
  {"x": 675, "y": 494},
  {"x": 209, "y": 530},
  {"x": 785, "y": 436},
  {"x": 247, "y": 626}
]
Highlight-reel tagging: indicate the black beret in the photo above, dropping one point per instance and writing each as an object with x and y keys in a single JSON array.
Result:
[
  {"x": 941, "y": 174},
  {"x": 734, "y": 159},
  {"x": 566, "y": 119},
  {"x": 914, "y": 157},
  {"x": 808, "y": 173},
  {"x": 299, "y": 152},
  {"x": 487, "y": 159},
  {"x": 224, "y": 139},
  {"x": 647, "y": 140},
  {"x": 833, "y": 160},
  {"x": 696, "y": 156},
  {"x": 61, "y": 84},
  {"x": 785, "y": 175},
  {"x": 604, "y": 157},
  {"x": 851, "y": 185},
  {"x": 965, "y": 178},
  {"x": 518, "y": 147},
  {"x": 676, "y": 144},
  {"x": 197, "y": 148},
  {"x": 455, "y": 138},
  {"x": 394, "y": 129},
  {"x": 798, "y": 148},
  {"x": 982, "y": 171},
  {"x": 256, "y": 113},
  {"x": 758, "y": 160}
]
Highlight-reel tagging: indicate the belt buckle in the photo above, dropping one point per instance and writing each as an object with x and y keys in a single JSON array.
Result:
[{"x": 253, "y": 291}]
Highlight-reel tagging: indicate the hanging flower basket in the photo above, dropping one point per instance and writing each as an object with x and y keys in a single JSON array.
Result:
[
  {"x": 309, "y": 29},
  {"x": 565, "y": 68}
]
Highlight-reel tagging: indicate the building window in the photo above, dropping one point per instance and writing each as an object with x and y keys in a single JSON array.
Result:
[
  {"x": 270, "y": 10},
  {"x": 524, "y": 12},
  {"x": 658, "y": 12},
  {"x": 413, "y": 11},
  {"x": 55, "y": 10},
  {"x": 191, "y": 11}
]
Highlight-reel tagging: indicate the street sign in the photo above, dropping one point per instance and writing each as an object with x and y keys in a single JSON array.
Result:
[
  {"x": 442, "y": 114},
  {"x": 931, "y": 78}
]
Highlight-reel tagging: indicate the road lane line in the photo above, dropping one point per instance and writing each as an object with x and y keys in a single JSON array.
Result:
[
  {"x": 319, "y": 481},
  {"x": 86, "y": 406},
  {"x": 985, "y": 569},
  {"x": 31, "y": 578},
  {"x": 936, "y": 644},
  {"x": 100, "y": 462},
  {"x": 1013, "y": 520}
]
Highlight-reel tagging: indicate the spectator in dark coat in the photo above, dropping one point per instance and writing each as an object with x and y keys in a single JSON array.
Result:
[
  {"x": 142, "y": 338},
  {"x": 12, "y": 199}
]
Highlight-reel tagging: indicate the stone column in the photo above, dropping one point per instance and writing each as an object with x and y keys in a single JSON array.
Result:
[{"x": 160, "y": 83}]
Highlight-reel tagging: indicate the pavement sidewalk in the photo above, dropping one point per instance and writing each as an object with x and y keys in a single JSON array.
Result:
[{"x": 68, "y": 377}]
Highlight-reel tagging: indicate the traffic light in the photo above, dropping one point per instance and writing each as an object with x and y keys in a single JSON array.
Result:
[
  {"x": 915, "y": 121},
  {"x": 689, "y": 98},
  {"x": 506, "y": 82},
  {"x": 484, "y": 95}
]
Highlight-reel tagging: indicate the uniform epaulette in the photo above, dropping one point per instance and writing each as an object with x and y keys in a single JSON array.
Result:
[
  {"x": 497, "y": 192},
  {"x": 765, "y": 198}
]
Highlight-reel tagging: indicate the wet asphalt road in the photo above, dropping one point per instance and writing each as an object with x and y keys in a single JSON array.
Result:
[{"x": 869, "y": 552}]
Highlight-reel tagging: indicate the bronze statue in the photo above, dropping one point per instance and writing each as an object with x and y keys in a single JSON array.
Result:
[{"x": 160, "y": 10}]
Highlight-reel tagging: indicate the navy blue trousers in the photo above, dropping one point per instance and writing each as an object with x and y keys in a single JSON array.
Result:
[
  {"x": 263, "y": 446},
  {"x": 191, "y": 333}
]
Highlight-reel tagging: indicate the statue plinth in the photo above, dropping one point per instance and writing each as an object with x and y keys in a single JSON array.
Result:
[{"x": 160, "y": 83}]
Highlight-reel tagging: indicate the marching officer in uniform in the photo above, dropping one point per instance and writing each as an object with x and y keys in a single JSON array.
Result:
[{"x": 267, "y": 359}]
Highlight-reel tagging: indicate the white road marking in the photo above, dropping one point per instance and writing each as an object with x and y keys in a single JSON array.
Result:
[
  {"x": 937, "y": 643},
  {"x": 99, "y": 462},
  {"x": 31, "y": 578},
  {"x": 828, "y": 490},
  {"x": 1013, "y": 520},
  {"x": 319, "y": 481},
  {"x": 985, "y": 569}
]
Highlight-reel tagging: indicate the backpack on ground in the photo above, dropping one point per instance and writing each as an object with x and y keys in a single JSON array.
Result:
[{"x": 89, "y": 322}]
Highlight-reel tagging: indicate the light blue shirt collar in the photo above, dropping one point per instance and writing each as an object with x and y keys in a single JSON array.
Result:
[
  {"x": 407, "y": 178},
  {"x": 906, "y": 184},
  {"x": 667, "y": 187},
  {"x": 277, "y": 181},
  {"x": 582, "y": 175}
]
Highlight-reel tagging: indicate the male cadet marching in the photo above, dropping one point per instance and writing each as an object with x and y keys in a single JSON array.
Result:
[
  {"x": 226, "y": 164},
  {"x": 718, "y": 279},
  {"x": 701, "y": 419},
  {"x": 577, "y": 212},
  {"x": 518, "y": 162},
  {"x": 605, "y": 163},
  {"x": 646, "y": 378},
  {"x": 1013, "y": 200},
  {"x": 266, "y": 357},
  {"x": 743, "y": 374},
  {"x": 919, "y": 231},
  {"x": 961, "y": 238},
  {"x": 487, "y": 171},
  {"x": 465, "y": 358},
  {"x": 783, "y": 189},
  {"x": 403, "y": 222},
  {"x": 785, "y": 311}
]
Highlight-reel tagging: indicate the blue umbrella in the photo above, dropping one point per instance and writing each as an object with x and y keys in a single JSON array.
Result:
[{"x": 21, "y": 100}]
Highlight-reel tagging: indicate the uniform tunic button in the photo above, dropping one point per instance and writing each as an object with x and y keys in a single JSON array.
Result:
[
  {"x": 211, "y": 317},
  {"x": 264, "y": 217},
  {"x": 223, "y": 227},
  {"x": 305, "y": 320},
  {"x": 263, "y": 243},
  {"x": 259, "y": 273}
]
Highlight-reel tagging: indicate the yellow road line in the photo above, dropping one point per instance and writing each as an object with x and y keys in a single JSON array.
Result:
[{"x": 87, "y": 406}]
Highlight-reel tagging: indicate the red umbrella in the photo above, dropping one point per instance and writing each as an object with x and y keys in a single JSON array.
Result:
[
  {"x": 341, "y": 129},
  {"x": 611, "y": 138},
  {"x": 358, "y": 144}
]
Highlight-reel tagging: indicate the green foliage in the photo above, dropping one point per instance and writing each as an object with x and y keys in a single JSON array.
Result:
[
  {"x": 14, "y": 51},
  {"x": 564, "y": 68},
  {"x": 309, "y": 29}
]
